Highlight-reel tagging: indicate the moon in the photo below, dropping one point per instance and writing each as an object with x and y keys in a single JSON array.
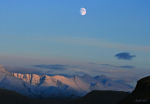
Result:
[{"x": 83, "y": 11}]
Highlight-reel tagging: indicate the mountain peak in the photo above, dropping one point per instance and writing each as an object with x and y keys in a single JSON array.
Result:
[{"x": 2, "y": 69}]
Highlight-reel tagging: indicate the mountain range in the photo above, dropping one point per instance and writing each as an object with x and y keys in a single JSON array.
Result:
[
  {"x": 19, "y": 88},
  {"x": 140, "y": 95},
  {"x": 58, "y": 86}
]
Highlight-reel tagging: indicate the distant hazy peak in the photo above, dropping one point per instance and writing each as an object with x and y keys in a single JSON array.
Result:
[{"x": 2, "y": 69}]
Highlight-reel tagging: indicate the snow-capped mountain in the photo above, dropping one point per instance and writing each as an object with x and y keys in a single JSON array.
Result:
[{"x": 35, "y": 85}]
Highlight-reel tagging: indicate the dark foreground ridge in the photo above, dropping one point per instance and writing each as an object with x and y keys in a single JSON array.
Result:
[
  {"x": 141, "y": 94},
  {"x": 95, "y": 97},
  {"x": 101, "y": 97}
]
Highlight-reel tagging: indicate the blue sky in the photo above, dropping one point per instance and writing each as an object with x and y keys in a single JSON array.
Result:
[{"x": 53, "y": 31}]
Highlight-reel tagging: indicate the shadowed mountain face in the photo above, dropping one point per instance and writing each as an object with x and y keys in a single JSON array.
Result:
[
  {"x": 95, "y": 97},
  {"x": 10, "y": 97},
  {"x": 57, "y": 86},
  {"x": 141, "y": 94},
  {"x": 101, "y": 97}
]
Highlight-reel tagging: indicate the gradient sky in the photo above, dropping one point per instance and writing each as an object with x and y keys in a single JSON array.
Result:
[{"x": 54, "y": 31}]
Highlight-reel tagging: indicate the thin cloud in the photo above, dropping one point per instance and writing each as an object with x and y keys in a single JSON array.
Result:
[
  {"x": 93, "y": 42},
  {"x": 55, "y": 66},
  {"x": 128, "y": 67},
  {"x": 124, "y": 67}
]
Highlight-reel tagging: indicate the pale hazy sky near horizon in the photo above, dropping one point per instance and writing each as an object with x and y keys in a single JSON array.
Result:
[{"x": 54, "y": 30}]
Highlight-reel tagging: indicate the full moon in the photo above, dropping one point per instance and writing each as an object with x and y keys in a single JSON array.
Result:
[{"x": 83, "y": 11}]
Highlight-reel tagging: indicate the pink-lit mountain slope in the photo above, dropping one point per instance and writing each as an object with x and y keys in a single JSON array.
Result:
[{"x": 56, "y": 86}]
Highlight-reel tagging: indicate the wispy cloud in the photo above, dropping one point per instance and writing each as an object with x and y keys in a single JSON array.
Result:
[
  {"x": 95, "y": 42},
  {"x": 51, "y": 66},
  {"x": 124, "y": 66}
]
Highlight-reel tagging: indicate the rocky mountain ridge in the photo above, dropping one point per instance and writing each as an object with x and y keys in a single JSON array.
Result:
[{"x": 43, "y": 86}]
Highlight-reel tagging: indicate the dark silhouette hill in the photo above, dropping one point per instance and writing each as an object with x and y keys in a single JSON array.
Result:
[
  {"x": 101, "y": 97},
  {"x": 141, "y": 94},
  {"x": 10, "y": 97},
  {"x": 94, "y": 97}
]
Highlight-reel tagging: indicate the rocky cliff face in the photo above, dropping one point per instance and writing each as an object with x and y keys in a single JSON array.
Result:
[
  {"x": 141, "y": 94},
  {"x": 32, "y": 79},
  {"x": 55, "y": 81}
]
